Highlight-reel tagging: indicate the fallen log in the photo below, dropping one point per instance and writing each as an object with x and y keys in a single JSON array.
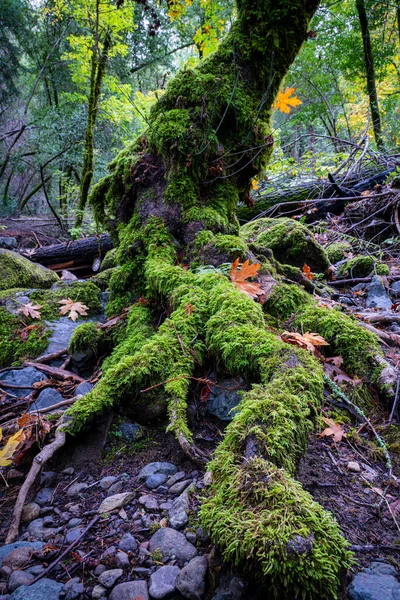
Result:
[{"x": 72, "y": 255}]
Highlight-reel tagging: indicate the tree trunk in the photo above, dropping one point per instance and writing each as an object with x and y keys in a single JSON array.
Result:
[
  {"x": 170, "y": 202},
  {"x": 74, "y": 254},
  {"x": 370, "y": 73},
  {"x": 98, "y": 70}
]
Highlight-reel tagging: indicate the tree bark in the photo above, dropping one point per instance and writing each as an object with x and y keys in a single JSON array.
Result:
[
  {"x": 72, "y": 254},
  {"x": 370, "y": 73}
]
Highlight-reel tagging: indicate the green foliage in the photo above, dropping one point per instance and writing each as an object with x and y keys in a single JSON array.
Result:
[
  {"x": 17, "y": 271},
  {"x": 18, "y": 345}
]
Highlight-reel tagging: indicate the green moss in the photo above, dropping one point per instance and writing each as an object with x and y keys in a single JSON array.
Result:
[
  {"x": 110, "y": 260},
  {"x": 17, "y": 342},
  {"x": 291, "y": 242},
  {"x": 79, "y": 291},
  {"x": 17, "y": 271},
  {"x": 355, "y": 344},
  {"x": 286, "y": 299},
  {"x": 362, "y": 266},
  {"x": 102, "y": 279},
  {"x": 336, "y": 251},
  {"x": 88, "y": 336},
  {"x": 219, "y": 248}
]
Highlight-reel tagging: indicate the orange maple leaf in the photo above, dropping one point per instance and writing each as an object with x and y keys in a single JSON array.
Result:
[
  {"x": 308, "y": 341},
  {"x": 238, "y": 278},
  {"x": 73, "y": 308},
  {"x": 333, "y": 429},
  {"x": 307, "y": 272},
  {"x": 285, "y": 103}
]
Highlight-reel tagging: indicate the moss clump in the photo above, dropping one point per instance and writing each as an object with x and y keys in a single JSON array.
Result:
[
  {"x": 362, "y": 266},
  {"x": 336, "y": 251},
  {"x": 88, "y": 336},
  {"x": 286, "y": 299},
  {"x": 216, "y": 249},
  {"x": 102, "y": 279},
  {"x": 109, "y": 261},
  {"x": 17, "y": 271},
  {"x": 86, "y": 292},
  {"x": 291, "y": 242},
  {"x": 17, "y": 342}
]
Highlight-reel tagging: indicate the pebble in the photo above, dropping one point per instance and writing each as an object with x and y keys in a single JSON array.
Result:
[
  {"x": 128, "y": 543},
  {"x": 77, "y": 488},
  {"x": 172, "y": 543},
  {"x": 73, "y": 589},
  {"x": 18, "y": 558},
  {"x": 18, "y": 578},
  {"x": 149, "y": 502},
  {"x": 39, "y": 530},
  {"x": 178, "y": 513},
  {"x": 100, "y": 569},
  {"x": 191, "y": 537},
  {"x": 117, "y": 501},
  {"x": 115, "y": 488},
  {"x": 69, "y": 471},
  {"x": 191, "y": 581},
  {"x": 154, "y": 481},
  {"x": 108, "y": 578},
  {"x": 131, "y": 432},
  {"x": 162, "y": 582},
  {"x": 179, "y": 487},
  {"x": 165, "y": 505},
  {"x": 175, "y": 478},
  {"x": 44, "y": 496},
  {"x": 74, "y": 522},
  {"x": 377, "y": 582},
  {"x": 73, "y": 534},
  {"x": 154, "y": 468},
  {"x": 107, "y": 482},
  {"x": 8, "y": 548},
  {"x": 121, "y": 560},
  {"x": 99, "y": 592},
  {"x": 131, "y": 590},
  {"x": 353, "y": 466},
  {"x": 44, "y": 589},
  {"x": 30, "y": 512}
]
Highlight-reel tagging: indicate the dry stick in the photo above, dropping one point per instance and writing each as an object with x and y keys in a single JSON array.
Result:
[
  {"x": 67, "y": 550},
  {"x": 396, "y": 398},
  {"x": 55, "y": 371},
  {"x": 37, "y": 465},
  {"x": 344, "y": 282},
  {"x": 387, "y": 318},
  {"x": 45, "y": 358},
  {"x": 391, "y": 338}
]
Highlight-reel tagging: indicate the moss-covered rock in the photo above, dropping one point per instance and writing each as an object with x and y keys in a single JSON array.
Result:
[
  {"x": 79, "y": 291},
  {"x": 19, "y": 341},
  {"x": 110, "y": 260},
  {"x": 336, "y": 251},
  {"x": 18, "y": 271},
  {"x": 291, "y": 242},
  {"x": 362, "y": 266}
]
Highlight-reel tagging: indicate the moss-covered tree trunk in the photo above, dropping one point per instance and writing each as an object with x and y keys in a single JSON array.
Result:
[{"x": 170, "y": 202}]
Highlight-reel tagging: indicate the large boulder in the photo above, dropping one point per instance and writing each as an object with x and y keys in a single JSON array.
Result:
[
  {"x": 291, "y": 243},
  {"x": 19, "y": 272}
]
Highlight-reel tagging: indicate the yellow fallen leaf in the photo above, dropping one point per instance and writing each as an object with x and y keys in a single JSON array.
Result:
[{"x": 12, "y": 444}]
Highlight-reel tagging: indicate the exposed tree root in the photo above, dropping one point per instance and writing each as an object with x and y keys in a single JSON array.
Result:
[{"x": 37, "y": 465}]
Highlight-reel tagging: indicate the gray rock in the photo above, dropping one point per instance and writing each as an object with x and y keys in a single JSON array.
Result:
[
  {"x": 179, "y": 487},
  {"x": 74, "y": 522},
  {"x": 18, "y": 578},
  {"x": 44, "y": 496},
  {"x": 47, "y": 397},
  {"x": 132, "y": 590},
  {"x": 77, "y": 488},
  {"x": 149, "y": 502},
  {"x": 154, "y": 468},
  {"x": 108, "y": 578},
  {"x": 73, "y": 534},
  {"x": 5, "y": 572},
  {"x": 115, "y": 488},
  {"x": 30, "y": 512},
  {"x": 83, "y": 388},
  {"x": 121, "y": 560},
  {"x": 69, "y": 471},
  {"x": 154, "y": 481},
  {"x": 18, "y": 558},
  {"x": 36, "y": 570},
  {"x": 100, "y": 569},
  {"x": 377, "y": 582},
  {"x": 62, "y": 332},
  {"x": 191, "y": 581},
  {"x": 113, "y": 502},
  {"x": 233, "y": 589},
  {"x": 44, "y": 589},
  {"x": 177, "y": 514},
  {"x": 395, "y": 289},
  {"x": 107, "y": 482},
  {"x": 8, "y": 548},
  {"x": 128, "y": 543},
  {"x": 222, "y": 402},
  {"x": 73, "y": 589},
  {"x": 175, "y": 478},
  {"x": 9, "y": 243},
  {"x": 162, "y": 582},
  {"x": 377, "y": 296},
  {"x": 191, "y": 537},
  {"x": 23, "y": 377},
  {"x": 99, "y": 592},
  {"x": 172, "y": 543},
  {"x": 131, "y": 432},
  {"x": 37, "y": 530}
]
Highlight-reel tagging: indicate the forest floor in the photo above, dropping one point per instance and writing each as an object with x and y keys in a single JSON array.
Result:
[{"x": 347, "y": 475}]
